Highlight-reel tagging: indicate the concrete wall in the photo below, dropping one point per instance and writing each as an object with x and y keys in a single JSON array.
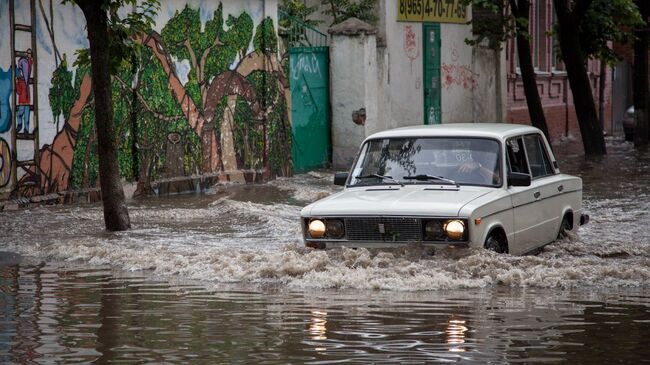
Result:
[
  {"x": 404, "y": 95},
  {"x": 198, "y": 88},
  {"x": 353, "y": 87}
]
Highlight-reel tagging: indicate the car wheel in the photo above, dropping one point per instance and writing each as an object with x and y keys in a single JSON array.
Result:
[
  {"x": 496, "y": 243},
  {"x": 565, "y": 227}
]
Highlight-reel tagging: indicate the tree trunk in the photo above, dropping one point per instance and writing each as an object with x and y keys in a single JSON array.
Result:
[
  {"x": 116, "y": 215},
  {"x": 641, "y": 96},
  {"x": 601, "y": 92},
  {"x": 535, "y": 109},
  {"x": 575, "y": 62}
]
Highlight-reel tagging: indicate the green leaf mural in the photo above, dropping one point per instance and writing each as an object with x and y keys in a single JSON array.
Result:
[
  {"x": 62, "y": 93},
  {"x": 266, "y": 40}
]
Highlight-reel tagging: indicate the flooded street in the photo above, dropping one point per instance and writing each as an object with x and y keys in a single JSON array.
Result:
[{"x": 224, "y": 278}]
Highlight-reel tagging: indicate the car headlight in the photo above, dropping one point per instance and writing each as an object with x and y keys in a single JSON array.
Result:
[
  {"x": 433, "y": 230},
  {"x": 334, "y": 228},
  {"x": 455, "y": 229},
  {"x": 316, "y": 228}
]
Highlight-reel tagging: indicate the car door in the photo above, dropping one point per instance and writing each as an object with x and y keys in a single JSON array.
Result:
[
  {"x": 524, "y": 199},
  {"x": 548, "y": 188}
]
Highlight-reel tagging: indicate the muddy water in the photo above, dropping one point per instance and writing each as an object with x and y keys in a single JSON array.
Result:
[{"x": 223, "y": 277}]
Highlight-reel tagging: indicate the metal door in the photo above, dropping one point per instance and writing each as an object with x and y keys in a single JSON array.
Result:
[
  {"x": 431, "y": 65},
  {"x": 309, "y": 82}
]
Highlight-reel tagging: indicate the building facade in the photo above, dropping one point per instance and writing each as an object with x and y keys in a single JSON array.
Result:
[{"x": 552, "y": 81}]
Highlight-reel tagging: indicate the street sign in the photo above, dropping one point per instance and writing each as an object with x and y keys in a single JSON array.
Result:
[{"x": 437, "y": 11}]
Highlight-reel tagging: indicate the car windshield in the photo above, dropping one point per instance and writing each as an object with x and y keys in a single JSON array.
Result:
[{"x": 436, "y": 160}]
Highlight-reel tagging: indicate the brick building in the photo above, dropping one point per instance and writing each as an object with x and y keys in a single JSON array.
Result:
[{"x": 552, "y": 81}]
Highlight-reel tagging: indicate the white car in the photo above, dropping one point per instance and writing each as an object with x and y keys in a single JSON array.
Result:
[{"x": 490, "y": 185}]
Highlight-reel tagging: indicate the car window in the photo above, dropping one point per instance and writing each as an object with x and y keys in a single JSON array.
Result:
[
  {"x": 516, "y": 156},
  {"x": 412, "y": 160},
  {"x": 540, "y": 164}
]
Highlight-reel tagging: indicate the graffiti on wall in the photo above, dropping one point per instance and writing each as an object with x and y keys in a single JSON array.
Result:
[
  {"x": 207, "y": 95},
  {"x": 455, "y": 74},
  {"x": 5, "y": 100},
  {"x": 411, "y": 48},
  {"x": 305, "y": 63}
]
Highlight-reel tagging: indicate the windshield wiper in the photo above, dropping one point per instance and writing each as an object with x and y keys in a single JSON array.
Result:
[
  {"x": 423, "y": 177},
  {"x": 383, "y": 177}
]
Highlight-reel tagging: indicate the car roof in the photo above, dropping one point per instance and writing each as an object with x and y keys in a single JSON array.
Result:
[{"x": 489, "y": 130}]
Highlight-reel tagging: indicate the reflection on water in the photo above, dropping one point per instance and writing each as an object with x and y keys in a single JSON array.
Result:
[
  {"x": 52, "y": 314},
  {"x": 456, "y": 334}
]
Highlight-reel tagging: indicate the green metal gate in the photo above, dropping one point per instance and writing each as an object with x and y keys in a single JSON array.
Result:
[
  {"x": 431, "y": 63},
  {"x": 309, "y": 80},
  {"x": 309, "y": 83}
]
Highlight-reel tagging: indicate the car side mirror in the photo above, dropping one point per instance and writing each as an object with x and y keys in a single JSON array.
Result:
[
  {"x": 518, "y": 179},
  {"x": 340, "y": 178}
]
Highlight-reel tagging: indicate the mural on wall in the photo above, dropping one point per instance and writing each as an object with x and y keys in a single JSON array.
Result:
[
  {"x": 455, "y": 74},
  {"x": 208, "y": 95}
]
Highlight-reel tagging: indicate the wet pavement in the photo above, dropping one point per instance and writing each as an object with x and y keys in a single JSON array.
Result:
[{"x": 223, "y": 278}]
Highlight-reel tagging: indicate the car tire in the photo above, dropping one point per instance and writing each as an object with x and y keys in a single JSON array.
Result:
[
  {"x": 565, "y": 227},
  {"x": 495, "y": 242}
]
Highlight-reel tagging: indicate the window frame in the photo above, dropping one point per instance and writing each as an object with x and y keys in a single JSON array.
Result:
[
  {"x": 520, "y": 142},
  {"x": 545, "y": 154}
]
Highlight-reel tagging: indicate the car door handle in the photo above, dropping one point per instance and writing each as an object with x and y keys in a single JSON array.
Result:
[
  {"x": 537, "y": 195},
  {"x": 560, "y": 188}
]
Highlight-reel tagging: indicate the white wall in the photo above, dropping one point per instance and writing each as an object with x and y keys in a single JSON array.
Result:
[
  {"x": 351, "y": 61},
  {"x": 403, "y": 81},
  {"x": 458, "y": 80}
]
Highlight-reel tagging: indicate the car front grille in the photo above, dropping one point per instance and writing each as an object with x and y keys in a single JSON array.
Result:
[{"x": 387, "y": 229}]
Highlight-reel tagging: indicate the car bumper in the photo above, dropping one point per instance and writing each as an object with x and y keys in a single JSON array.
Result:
[{"x": 362, "y": 244}]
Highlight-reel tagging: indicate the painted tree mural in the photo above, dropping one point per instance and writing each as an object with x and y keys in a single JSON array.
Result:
[{"x": 206, "y": 98}]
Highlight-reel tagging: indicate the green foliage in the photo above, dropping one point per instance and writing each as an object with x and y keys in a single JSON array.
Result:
[
  {"x": 122, "y": 119},
  {"x": 608, "y": 21},
  {"x": 341, "y": 10},
  {"x": 299, "y": 10},
  {"x": 266, "y": 41},
  {"x": 62, "y": 93},
  {"x": 494, "y": 23},
  {"x": 605, "y": 21},
  {"x": 122, "y": 30},
  {"x": 239, "y": 34},
  {"x": 249, "y": 137},
  {"x": 85, "y": 137},
  {"x": 280, "y": 139}
]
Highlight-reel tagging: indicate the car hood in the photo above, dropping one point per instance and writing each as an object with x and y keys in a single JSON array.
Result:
[{"x": 410, "y": 200}]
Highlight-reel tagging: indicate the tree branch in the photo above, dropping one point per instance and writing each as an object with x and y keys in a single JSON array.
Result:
[
  {"x": 580, "y": 9},
  {"x": 144, "y": 103},
  {"x": 194, "y": 117},
  {"x": 514, "y": 7},
  {"x": 561, "y": 9},
  {"x": 50, "y": 30}
]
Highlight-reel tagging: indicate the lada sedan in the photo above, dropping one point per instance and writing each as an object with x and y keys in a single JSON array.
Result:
[{"x": 490, "y": 185}]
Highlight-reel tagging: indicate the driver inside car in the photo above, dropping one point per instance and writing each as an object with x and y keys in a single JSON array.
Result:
[{"x": 482, "y": 168}]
